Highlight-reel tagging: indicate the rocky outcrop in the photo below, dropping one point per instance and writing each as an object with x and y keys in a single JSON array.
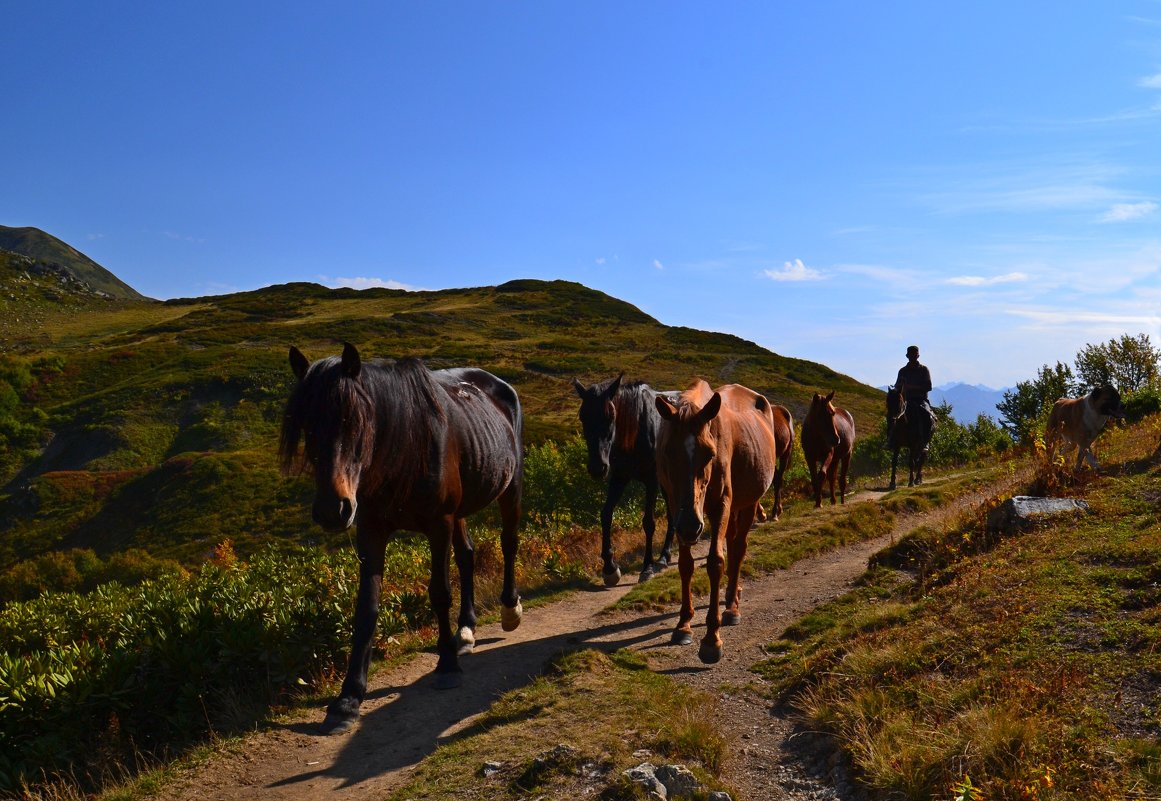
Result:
[{"x": 1022, "y": 511}]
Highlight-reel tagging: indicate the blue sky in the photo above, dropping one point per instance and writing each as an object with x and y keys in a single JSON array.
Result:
[{"x": 831, "y": 180}]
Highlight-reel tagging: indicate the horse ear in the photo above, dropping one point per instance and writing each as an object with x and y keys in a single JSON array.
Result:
[
  {"x": 298, "y": 362},
  {"x": 351, "y": 362},
  {"x": 711, "y": 409},
  {"x": 666, "y": 408},
  {"x": 613, "y": 387},
  {"x": 830, "y": 397},
  {"x": 579, "y": 387}
]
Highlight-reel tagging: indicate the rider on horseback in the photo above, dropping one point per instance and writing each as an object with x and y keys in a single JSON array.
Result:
[{"x": 914, "y": 380}]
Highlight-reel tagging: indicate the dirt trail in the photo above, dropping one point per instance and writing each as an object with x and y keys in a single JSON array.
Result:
[{"x": 404, "y": 718}]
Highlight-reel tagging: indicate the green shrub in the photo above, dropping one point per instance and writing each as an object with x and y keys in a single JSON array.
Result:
[{"x": 154, "y": 666}]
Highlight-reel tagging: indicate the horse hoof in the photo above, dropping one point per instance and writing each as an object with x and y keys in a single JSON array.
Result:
[
  {"x": 449, "y": 680},
  {"x": 646, "y": 574},
  {"x": 662, "y": 561},
  {"x": 336, "y": 724},
  {"x": 510, "y": 617},
  {"x": 681, "y": 638},
  {"x": 709, "y": 653},
  {"x": 614, "y": 578},
  {"x": 467, "y": 641},
  {"x": 731, "y": 618},
  {"x": 342, "y": 714}
]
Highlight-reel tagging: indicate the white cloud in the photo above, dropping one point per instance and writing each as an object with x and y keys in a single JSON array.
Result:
[
  {"x": 1083, "y": 319},
  {"x": 793, "y": 271},
  {"x": 96, "y": 236},
  {"x": 601, "y": 260},
  {"x": 1151, "y": 82},
  {"x": 370, "y": 283},
  {"x": 895, "y": 276},
  {"x": 1120, "y": 212},
  {"x": 979, "y": 280},
  {"x": 658, "y": 265}
]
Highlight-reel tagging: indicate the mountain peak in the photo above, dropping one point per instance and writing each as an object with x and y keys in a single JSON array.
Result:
[{"x": 61, "y": 258}]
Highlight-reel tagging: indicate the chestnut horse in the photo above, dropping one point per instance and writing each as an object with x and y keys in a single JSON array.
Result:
[
  {"x": 620, "y": 423},
  {"x": 398, "y": 446},
  {"x": 716, "y": 457},
  {"x": 828, "y": 440}
]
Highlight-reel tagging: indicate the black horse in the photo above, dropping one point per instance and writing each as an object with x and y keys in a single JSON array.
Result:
[
  {"x": 620, "y": 423},
  {"x": 397, "y": 446},
  {"x": 911, "y": 431}
]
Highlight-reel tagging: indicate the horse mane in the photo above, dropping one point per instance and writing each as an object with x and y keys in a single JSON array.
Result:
[
  {"x": 633, "y": 402},
  {"x": 390, "y": 414}
]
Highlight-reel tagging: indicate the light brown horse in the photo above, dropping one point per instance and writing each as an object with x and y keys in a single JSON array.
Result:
[
  {"x": 716, "y": 456},
  {"x": 828, "y": 440}
]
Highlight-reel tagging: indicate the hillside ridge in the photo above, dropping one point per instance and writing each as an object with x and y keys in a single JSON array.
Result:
[{"x": 50, "y": 254}]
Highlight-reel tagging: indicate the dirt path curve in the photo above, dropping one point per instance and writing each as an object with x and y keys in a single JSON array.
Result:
[{"x": 404, "y": 718}]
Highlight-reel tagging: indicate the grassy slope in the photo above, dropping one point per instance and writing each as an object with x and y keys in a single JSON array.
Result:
[
  {"x": 1023, "y": 666},
  {"x": 163, "y": 416}
]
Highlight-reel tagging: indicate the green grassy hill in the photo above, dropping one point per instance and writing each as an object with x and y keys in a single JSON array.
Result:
[
  {"x": 52, "y": 256},
  {"x": 153, "y": 425}
]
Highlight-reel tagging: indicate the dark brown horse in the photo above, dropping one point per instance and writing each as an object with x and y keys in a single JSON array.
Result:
[
  {"x": 397, "y": 446},
  {"x": 828, "y": 440},
  {"x": 620, "y": 423},
  {"x": 910, "y": 431},
  {"x": 716, "y": 457}
]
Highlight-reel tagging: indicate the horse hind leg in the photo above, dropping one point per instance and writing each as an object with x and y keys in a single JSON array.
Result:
[
  {"x": 465, "y": 564},
  {"x": 511, "y": 610}
]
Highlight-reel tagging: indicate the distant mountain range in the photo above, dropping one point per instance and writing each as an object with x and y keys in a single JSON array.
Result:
[{"x": 968, "y": 401}]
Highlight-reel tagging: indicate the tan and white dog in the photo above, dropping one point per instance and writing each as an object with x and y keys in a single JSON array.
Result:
[{"x": 1078, "y": 421}]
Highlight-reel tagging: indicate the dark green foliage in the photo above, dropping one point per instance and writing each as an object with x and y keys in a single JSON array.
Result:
[
  {"x": 80, "y": 570},
  {"x": 151, "y": 667},
  {"x": 1128, "y": 363},
  {"x": 1143, "y": 402}
]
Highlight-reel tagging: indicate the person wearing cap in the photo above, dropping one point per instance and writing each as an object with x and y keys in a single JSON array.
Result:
[{"x": 914, "y": 380}]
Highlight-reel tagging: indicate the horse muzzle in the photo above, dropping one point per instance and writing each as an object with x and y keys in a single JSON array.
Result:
[
  {"x": 598, "y": 470},
  {"x": 688, "y": 527},
  {"x": 335, "y": 514}
]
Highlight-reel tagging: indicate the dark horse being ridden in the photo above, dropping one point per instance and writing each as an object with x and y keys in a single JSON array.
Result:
[
  {"x": 620, "y": 425},
  {"x": 398, "y": 446},
  {"x": 912, "y": 432}
]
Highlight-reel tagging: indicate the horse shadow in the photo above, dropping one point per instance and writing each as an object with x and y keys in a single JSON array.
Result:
[{"x": 420, "y": 717}]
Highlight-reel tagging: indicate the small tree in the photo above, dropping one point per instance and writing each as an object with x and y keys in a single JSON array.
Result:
[
  {"x": 1129, "y": 363},
  {"x": 1024, "y": 410}
]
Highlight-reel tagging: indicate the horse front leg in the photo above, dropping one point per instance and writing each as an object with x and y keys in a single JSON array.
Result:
[
  {"x": 344, "y": 710},
  {"x": 610, "y": 571},
  {"x": 466, "y": 566},
  {"x": 649, "y": 524},
  {"x": 844, "y": 466},
  {"x": 894, "y": 464},
  {"x": 815, "y": 482},
  {"x": 683, "y": 634},
  {"x": 666, "y": 546},
  {"x": 736, "y": 544},
  {"x": 448, "y": 673},
  {"x": 831, "y": 474},
  {"x": 711, "y": 644}
]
